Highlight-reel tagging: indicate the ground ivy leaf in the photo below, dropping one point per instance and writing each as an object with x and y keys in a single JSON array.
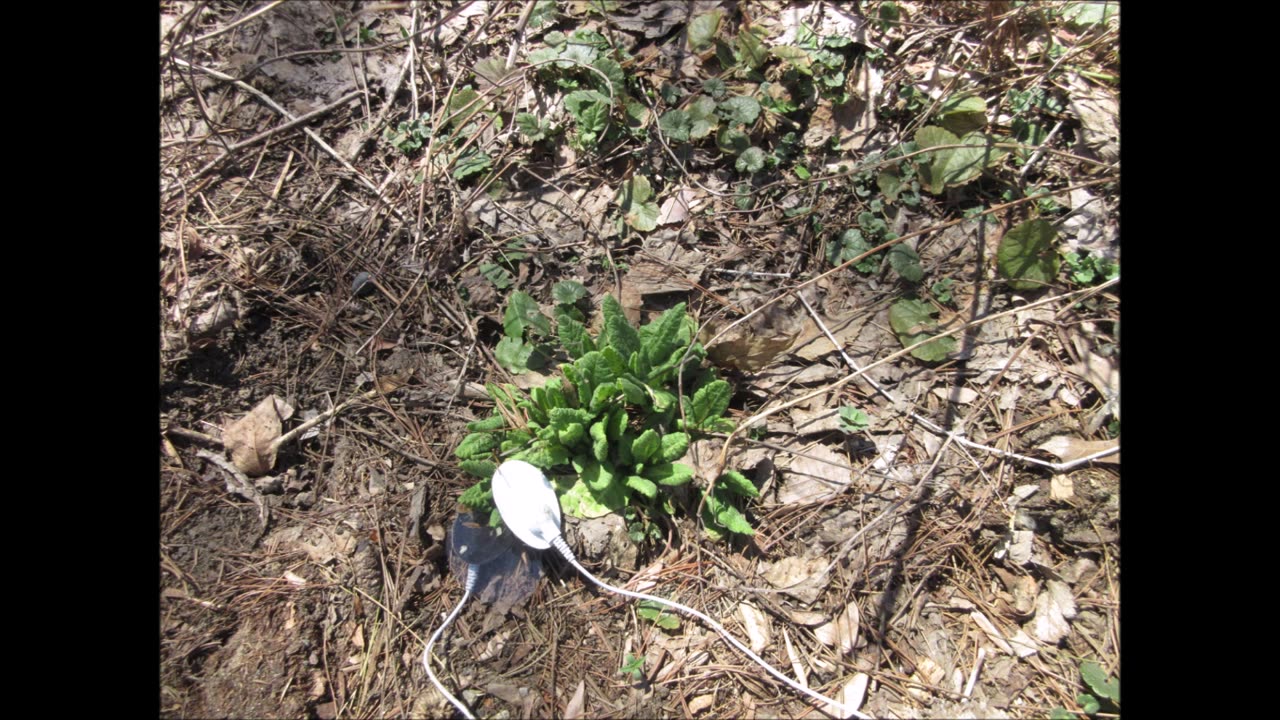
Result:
[
  {"x": 740, "y": 109},
  {"x": 906, "y": 263},
  {"x": 750, "y": 161}
]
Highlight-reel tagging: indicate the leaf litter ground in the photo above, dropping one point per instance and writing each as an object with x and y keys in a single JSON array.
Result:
[{"x": 332, "y": 297}]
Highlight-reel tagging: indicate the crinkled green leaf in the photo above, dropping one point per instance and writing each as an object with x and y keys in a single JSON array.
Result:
[
  {"x": 598, "y": 475},
  {"x": 645, "y": 446},
  {"x": 478, "y": 496},
  {"x": 543, "y": 455},
  {"x": 616, "y": 424},
  {"x": 674, "y": 446},
  {"x": 574, "y": 337},
  {"x": 579, "y": 501},
  {"x": 482, "y": 469},
  {"x": 703, "y": 29},
  {"x": 603, "y": 395},
  {"x": 709, "y": 402},
  {"x": 734, "y": 521},
  {"x": 1028, "y": 255},
  {"x": 489, "y": 424},
  {"x": 618, "y": 333},
  {"x": 737, "y": 483},
  {"x": 669, "y": 474},
  {"x": 529, "y": 126},
  {"x": 562, "y": 417},
  {"x": 599, "y": 441},
  {"x": 642, "y": 486},
  {"x": 952, "y": 167},
  {"x": 476, "y": 445},
  {"x": 572, "y": 434}
]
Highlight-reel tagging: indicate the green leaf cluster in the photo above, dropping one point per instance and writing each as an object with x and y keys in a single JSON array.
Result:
[{"x": 612, "y": 426}]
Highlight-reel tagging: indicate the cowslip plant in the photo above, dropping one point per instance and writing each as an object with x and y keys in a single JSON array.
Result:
[{"x": 610, "y": 429}]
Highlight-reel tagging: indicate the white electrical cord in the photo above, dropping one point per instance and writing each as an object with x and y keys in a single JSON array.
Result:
[
  {"x": 559, "y": 544},
  {"x": 472, "y": 575}
]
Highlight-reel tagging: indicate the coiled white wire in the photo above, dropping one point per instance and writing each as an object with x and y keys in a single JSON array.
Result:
[
  {"x": 563, "y": 547},
  {"x": 472, "y": 575}
]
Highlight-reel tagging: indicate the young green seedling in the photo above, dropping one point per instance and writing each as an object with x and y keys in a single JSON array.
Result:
[{"x": 530, "y": 509}]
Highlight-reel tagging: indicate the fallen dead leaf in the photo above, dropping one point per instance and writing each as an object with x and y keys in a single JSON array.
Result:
[
  {"x": 962, "y": 396},
  {"x": 851, "y": 696},
  {"x": 801, "y": 578},
  {"x": 1061, "y": 487},
  {"x": 806, "y": 618},
  {"x": 702, "y": 702},
  {"x": 676, "y": 208},
  {"x": 802, "y": 674},
  {"x": 251, "y": 438},
  {"x": 841, "y": 632},
  {"x": 1067, "y": 448},
  {"x": 993, "y": 634},
  {"x": 757, "y": 625},
  {"x": 819, "y": 417},
  {"x": 1054, "y": 607},
  {"x": 819, "y": 474},
  {"x": 573, "y": 709}
]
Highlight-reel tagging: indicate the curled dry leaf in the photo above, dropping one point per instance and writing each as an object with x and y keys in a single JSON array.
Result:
[
  {"x": 841, "y": 632},
  {"x": 757, "y": 625},
  {"x": 251, "y": 439}
]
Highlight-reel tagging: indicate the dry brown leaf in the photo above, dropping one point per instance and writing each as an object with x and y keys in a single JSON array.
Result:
[
  {"x": 1054, "y": 607},
  {"x": 851, "y": 696},
  {"x": 801, "y": 578},
  {"x": 819, "y": 474},
  {"x": 676, "y": 208},
  {"x": 757, "y": 625},
  {"x": 1067, "y": 448},
  {"x": 841, "y": 632},
  {"x": 806, "y": 618},
  {"x": 962, "y": 396},
  {"x": 251, "y": 439},
  {"x": 577, "y": 703},
  {"x": 702, "y": 702},
  {"x": 992, "y": 632},
  {"x": 1061, "y": 487},
  {"x": 797, "y": 667},
  {"x": 819, "y": 417}
]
